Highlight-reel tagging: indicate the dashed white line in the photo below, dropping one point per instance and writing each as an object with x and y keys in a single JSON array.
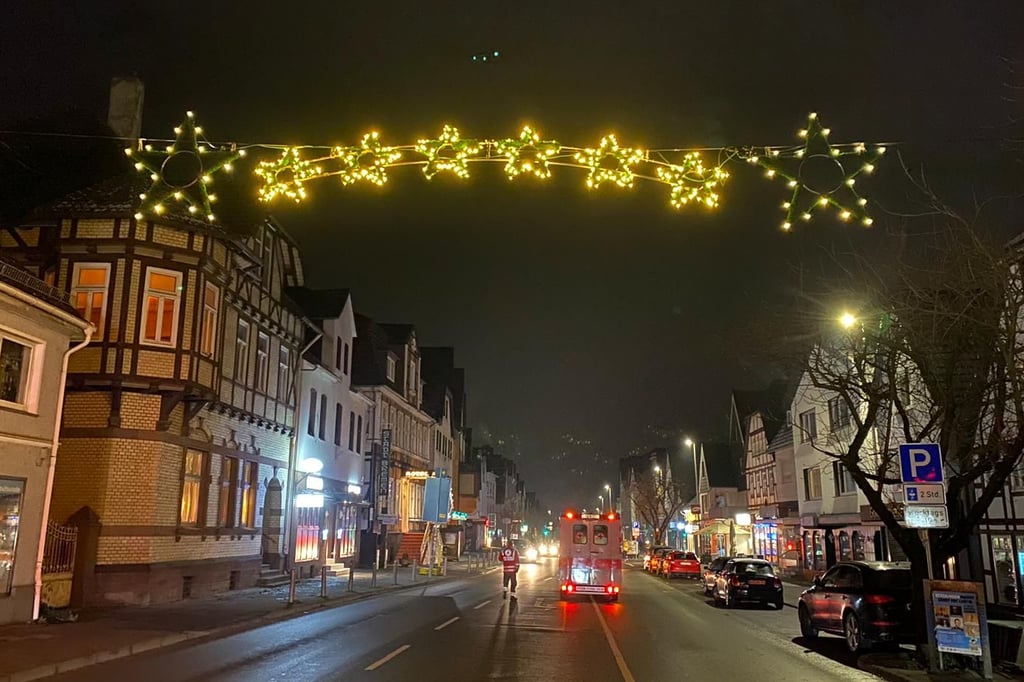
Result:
[
  {"x": 550, "y": 577},
  {"x": 445, "y": 624},
  {"x": 379, "y": 663},
  {"x": 482, "y": 604}
]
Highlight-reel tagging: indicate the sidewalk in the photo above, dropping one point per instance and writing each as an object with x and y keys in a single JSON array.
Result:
[{"x": 35, "y": 651}]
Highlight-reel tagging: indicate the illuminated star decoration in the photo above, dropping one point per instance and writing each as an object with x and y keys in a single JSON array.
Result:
[
  {"x": 818, "y": 157},
  {"x": 182, "y": 171},
  {"x": 610, "y": 163},
  {"x": 528, "y": 154},
  {"x": 285, "y": 175},
  {"x": 448, "y": 152},
  {"x": 369, "y": 161},
  {"x": 692, "y": 182}
]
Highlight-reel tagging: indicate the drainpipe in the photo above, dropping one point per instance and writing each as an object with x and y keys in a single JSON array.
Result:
[{"x": 89, "y": 330}]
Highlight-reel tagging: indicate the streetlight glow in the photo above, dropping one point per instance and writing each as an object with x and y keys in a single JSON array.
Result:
[
  {"x": 847, "y": 320},
  {"x": 688, "y": 442}
]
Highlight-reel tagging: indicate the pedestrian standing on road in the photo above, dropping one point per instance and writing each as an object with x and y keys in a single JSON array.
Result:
[{"x": 509, "y": 569}]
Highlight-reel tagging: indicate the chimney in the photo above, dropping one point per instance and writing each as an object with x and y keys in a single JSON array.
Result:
[{"x": 125, "y": 114}]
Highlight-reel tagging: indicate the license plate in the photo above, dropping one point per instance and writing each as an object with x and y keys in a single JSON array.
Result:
[{"x": 755, "y": 582}]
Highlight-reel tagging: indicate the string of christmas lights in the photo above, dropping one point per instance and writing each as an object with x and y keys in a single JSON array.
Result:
[{"x": 819, "y": 174}]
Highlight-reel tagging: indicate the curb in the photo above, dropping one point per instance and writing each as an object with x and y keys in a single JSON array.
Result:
[
  {"x": 885, "y": 673},
  {"x": 289, "y": 612}
]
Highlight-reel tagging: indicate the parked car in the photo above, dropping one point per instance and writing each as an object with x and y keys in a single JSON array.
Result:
[
  {"x": 656, "y": 558},
  {"x": 748, "y": 580},
  {"x": 649, "y": 554},
  {"x": 685, "y": 564},
  {"x": 711, "y": 571},
  {"x": 867, "y": 602}
]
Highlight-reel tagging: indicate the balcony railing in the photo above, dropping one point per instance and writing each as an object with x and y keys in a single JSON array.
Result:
[{"x": 23, "y": 280}]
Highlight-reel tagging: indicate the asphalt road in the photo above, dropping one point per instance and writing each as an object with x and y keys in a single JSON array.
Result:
[{"x": 464, "y": 630}]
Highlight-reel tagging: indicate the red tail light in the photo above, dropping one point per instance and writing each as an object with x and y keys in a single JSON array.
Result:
[
  {"x": 568, "y": 588},
  {"x": 609, "y": 589},
  {"x": 734, "y": 581},
  {"x": 616, "y": 588},
  {"x": 611, "y": 517},
  {"x": 878, "y": 599},
  {"x": 778, "y": 583}
]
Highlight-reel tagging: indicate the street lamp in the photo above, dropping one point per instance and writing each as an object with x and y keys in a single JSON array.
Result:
[
  {"x": 600, "y": 498},
  {"x": 692, "y": 444},
  {"x": 611, "y": 502},
  {"x": 847, "y": 320}
]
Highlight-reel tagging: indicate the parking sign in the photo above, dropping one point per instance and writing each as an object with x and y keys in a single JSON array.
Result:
[{"x": 920, "y": 463}]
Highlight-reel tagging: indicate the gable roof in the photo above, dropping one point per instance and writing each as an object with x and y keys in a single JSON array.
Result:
[
  {"x": 237, "y": 208},
  {"x": 398, "y": 334},
  {"x": 722, "y": 464},
  {"x": 319, "y": 304},
  {"x": 369, "y": 350}
]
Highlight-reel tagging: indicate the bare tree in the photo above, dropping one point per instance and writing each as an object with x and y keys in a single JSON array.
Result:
[
  {"x": 933, "y": 354},
  {"x": 658, "y": 499}
]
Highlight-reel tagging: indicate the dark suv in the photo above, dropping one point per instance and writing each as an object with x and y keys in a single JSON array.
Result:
[{"x": 867, "y": 602}]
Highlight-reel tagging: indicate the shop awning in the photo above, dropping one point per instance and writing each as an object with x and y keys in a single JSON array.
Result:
[{"x": 722, "y": 528}]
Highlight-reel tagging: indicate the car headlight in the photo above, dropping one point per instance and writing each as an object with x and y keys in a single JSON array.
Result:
[{"x": 531, "y": 554}]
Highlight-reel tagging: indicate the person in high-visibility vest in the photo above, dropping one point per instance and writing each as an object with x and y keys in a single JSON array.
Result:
[{"x": 509, "y": 569}]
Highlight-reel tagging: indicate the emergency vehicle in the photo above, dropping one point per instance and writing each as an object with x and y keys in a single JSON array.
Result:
[{"x": 590, "y": 555}]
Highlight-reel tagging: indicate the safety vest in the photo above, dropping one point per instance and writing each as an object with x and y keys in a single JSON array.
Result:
[{"x": 510, "y": 560}]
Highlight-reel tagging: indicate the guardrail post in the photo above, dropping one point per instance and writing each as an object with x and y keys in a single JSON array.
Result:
[
  {"x": 394, "y": 573},
  {"x": 323, "y": 582},
  {"x": 373, "y": 574},
  {"x": 351, "y": 577},
  {"x": 415, "y": 569},
  {"x": 291, "y": 587}
]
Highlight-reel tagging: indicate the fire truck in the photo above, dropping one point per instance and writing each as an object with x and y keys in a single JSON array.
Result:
[{"x": 590, "y": 555}]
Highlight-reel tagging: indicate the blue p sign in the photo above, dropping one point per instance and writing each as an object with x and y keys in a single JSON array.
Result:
[{"x": 920, "y": 463}]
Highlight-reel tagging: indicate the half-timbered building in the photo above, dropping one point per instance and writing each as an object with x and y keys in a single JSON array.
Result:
[{"x": 178, "y": 418}]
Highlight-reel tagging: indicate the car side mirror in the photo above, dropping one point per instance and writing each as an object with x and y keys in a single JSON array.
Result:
[{"x": 817, "y": 581}]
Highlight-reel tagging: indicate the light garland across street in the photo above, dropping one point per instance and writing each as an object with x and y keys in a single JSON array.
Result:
[{"x": 819, "y": 174}]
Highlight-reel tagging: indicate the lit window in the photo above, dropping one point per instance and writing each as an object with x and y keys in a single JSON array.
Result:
[
  {"x": 15, "y": 369},
  {"x": 12, "y": 492},
  {"x": 242, "y": 352},
  {"x": 211, "y": 304},
  {"x": 812, "y": 483},
  {"x": 89, "y": 292},
  {"x": 262, "y": 361},
  {"x": 160, "y": 310},
  {"x": 192, "y": 488},
  {"x": 250, "y": 484},
  {"x": 228, "y": 499}
]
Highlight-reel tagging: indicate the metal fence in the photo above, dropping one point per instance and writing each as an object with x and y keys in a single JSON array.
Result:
[{"x": 59, "y": 551}]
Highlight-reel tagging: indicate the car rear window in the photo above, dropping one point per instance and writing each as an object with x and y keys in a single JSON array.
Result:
[
  {"x": 892, "y": 579},
  {"x": 579, "y": 534},
  {"x": 600, "y": 534},
  {"x": 754, "y": 569},
  {"x": 690, "y": 556},
  {"x": 678, "y": 555}
]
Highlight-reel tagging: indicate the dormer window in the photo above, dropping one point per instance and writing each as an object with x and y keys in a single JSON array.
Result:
[{"x": 391, "y": 368}]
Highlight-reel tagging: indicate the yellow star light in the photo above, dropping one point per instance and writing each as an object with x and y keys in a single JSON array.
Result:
[
  {"x": 448, "y": 152},
  {"x": 692, "y": 182},
  {"x": 528, "y": 154},
  {"x": 820, "y": 175},
  {"x": 285, "y": 176},
  {"x": 182, "y": 171},
  {"x": 610, "y": 163},
  {"x": 369, "y": 161}
]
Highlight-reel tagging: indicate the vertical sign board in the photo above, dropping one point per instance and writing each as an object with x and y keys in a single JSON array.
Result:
[
  {"x": 437, "y": 495},
  {"x": 957, "y": 619},
  {"x": 384, "y": 471}
]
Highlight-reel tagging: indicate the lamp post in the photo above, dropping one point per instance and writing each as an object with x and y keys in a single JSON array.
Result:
[
  {"x": 600, "y": 498},
  {"x": 611, "y": 502},
  {"x": 692, "y": 444}
]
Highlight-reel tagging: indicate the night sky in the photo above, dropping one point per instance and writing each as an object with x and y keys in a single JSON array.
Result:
[{"x": 589, "y": 324}]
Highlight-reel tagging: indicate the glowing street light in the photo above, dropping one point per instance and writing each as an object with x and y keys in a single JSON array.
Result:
[{"x": 847, "y": 320}]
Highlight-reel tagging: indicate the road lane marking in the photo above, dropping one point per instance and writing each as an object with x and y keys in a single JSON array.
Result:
[
  {"x": 377, "y": 664},
  {"x": 445, "y": 624},
  {"x": 550, "y": 577},
  {"x": 616, "y": 652},
  {"x": 482, "y": 604}
]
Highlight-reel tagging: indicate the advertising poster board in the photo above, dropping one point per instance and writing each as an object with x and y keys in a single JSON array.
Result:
[{"x": 957, "y": 619}]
